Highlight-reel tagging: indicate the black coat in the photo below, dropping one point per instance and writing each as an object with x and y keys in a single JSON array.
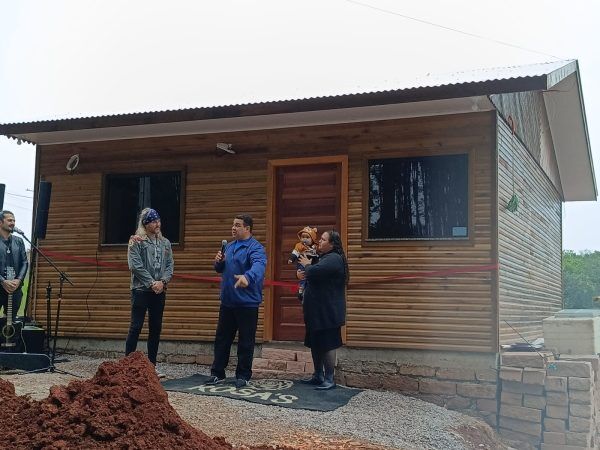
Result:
[
  {"x": 325, "y": 293},
  {"x": 19, "y": 257}
]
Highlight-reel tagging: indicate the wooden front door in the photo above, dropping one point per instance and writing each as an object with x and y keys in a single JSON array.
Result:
[{"x": 304, "y": 195}]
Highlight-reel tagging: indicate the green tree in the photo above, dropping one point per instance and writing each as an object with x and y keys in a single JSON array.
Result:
[{"x": 581, "y": 278}]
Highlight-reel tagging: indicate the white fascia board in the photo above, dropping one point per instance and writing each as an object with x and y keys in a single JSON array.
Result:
[
  {"x": 265, "y": 122},
  {"x": 566, "y": 117}
]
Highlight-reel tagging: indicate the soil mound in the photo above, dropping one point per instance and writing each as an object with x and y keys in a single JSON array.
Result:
[{"x": 123, "y": 406}]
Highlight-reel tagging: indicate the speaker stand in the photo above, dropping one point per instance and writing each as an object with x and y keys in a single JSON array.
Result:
[{"x": 49, "y": 366}]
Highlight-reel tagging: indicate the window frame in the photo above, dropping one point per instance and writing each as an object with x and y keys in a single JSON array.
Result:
[
  {"x": 141, "y": 172},
  {"x": 416, "y": 153}
]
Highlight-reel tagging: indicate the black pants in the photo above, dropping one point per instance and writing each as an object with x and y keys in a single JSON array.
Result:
[
  {"x": 16, "y": 300},
  {"x": 232, "y": 320},
  {"x": 155, "y": 305}
]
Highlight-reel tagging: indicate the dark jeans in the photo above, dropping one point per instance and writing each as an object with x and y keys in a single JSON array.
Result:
[
  {"x": 155, "y": 305},
  {"x": 301, "y": 283},
  {"x": 232, "y": 320},
  {"x": 16, "y": 300}
]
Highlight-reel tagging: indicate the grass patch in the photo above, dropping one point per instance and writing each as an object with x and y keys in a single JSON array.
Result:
[{"x": 25, "y": 289}]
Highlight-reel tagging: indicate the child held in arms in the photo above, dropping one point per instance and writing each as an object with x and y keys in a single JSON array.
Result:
[{"x": 307, "y": 245}]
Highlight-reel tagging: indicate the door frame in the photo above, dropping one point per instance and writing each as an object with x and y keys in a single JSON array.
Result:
[{"x": 272, "y": 166}]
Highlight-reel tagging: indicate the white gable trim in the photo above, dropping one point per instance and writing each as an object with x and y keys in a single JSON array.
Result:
[{"x": 265, "y": 122}]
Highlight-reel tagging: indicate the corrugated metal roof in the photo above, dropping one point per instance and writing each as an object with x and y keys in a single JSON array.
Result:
[
  {"x": 567, "y": 122},
  {"x": 490, "y": 74},
  {"x": 381, "y": 90}
]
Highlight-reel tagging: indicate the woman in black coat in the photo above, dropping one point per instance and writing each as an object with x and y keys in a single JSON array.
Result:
[{"x": 324, "y": 306}]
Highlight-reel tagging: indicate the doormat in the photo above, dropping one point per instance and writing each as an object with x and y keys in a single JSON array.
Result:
[{"x": 285, "y": 393}]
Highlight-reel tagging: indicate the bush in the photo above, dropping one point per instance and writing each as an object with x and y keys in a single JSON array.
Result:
[{"x": 581, "y": 279}]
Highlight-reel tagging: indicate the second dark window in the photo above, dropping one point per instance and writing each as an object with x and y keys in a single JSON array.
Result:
[
  {"x": 126, "y": 195},
  {"x": 424, "y": 197}
]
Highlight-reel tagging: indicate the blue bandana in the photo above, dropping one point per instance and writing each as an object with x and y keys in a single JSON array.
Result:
[{"x": 151, "y": 216}]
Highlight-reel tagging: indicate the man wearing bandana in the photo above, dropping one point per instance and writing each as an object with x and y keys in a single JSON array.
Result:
[{"x": 150, "y": 260}]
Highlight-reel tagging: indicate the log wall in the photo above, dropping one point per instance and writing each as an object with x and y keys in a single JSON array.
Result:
[
  {"x": 456, "y": 313},
  {"x": 528, "y": 113},
  {"x": 529, "y": 241}
]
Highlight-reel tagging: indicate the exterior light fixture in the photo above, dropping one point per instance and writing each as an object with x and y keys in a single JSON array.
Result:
[{"x": 227, "y": 148}]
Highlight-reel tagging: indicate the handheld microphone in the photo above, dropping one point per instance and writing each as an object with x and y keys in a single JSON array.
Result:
[
  {"x": 223, "y": 245},
  {"x": 18, "y": 231}
]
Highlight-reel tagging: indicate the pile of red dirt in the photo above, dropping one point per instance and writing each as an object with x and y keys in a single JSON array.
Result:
[{"x": 123, "y": 406}]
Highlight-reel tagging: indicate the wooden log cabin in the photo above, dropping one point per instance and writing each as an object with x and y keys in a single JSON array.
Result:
[{"x": 418, "y": 180}]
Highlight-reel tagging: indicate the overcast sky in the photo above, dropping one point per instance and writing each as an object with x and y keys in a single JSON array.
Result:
[{"x": 63, "y": 59}]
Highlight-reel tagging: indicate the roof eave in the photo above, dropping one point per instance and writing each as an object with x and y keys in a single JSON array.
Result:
[
  {"x": 18, "y": 130},
  {"x": 568, "y": 126}
]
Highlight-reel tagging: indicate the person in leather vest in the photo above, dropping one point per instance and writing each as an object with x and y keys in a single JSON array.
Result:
[{"x": 12, "y": 254}]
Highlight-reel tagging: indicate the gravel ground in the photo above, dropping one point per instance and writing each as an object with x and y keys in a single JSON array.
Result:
[{"x": 371, "y": 420}]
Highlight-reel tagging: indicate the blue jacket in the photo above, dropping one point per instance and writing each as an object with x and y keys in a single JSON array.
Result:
[{"x": 242, "y": 258}]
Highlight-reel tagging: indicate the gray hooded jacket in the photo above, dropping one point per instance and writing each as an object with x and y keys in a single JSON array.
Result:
[{"x": 150, "y": 262}]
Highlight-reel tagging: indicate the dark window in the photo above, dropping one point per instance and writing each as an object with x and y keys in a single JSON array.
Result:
[
  {"x": 419, "y": 197},
  {"x": 126, "y": 195}
]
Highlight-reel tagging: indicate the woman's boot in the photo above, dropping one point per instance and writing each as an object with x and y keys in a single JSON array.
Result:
[
  {"x": 329, "y": 363},
  {"x": 317, "y": 376}
]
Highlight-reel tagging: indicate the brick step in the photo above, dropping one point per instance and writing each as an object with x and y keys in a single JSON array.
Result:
[
  {"x": 278, "y": 360},
  {"x": 279, "y": 374}
]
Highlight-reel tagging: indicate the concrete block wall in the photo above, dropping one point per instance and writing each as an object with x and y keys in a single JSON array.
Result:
[
  {"x": 550, "y": 404},
  {"x": 168, "y": 351},
  {"x": 460, "y": 387},
  {"x": 291, "y": 362},
  {"x": 282, "y": 363}
]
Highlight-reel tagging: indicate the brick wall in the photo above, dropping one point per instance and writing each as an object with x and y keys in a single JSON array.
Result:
[
  {"x": 535, "y": 401},
  {"x": 282, "y": 363},
  {"x": 549, "y": 404},
  {"x": 452, "y": 387}
]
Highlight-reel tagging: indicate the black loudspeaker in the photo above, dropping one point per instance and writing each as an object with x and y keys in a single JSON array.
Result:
[
  {"x": 33, "y": 339},
  {"x": 41, "y": 212},
  {"x": 25, "y": 361},
  {"x": 2, "y": 188}
]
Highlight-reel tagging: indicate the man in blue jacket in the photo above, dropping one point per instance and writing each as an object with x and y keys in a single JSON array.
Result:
[{"x": 243, "y": 271}]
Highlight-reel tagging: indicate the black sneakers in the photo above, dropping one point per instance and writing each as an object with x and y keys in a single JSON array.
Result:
[
  {"x": 240, "y": 383},
  {"x": 214, "y": 380},
  {"x": 325, "y": 385},
  {"x": 315, "y": 380}
]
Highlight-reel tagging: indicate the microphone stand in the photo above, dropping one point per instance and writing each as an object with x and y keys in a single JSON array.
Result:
[
  {"x": 48, "y": 315},
  {"x": 62, "y": 278}
]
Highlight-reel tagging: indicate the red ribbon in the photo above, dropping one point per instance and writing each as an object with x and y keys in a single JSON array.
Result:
[{"x": 293, "y": 286}]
